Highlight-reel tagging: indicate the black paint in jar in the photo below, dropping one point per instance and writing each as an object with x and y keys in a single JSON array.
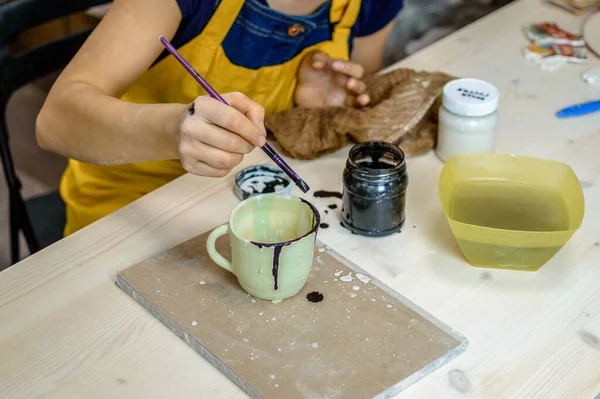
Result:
[{"x": 375, "y": 183}]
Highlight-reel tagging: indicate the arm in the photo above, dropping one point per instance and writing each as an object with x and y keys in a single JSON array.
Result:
[
  {"x": 83, "y": 117},
  {"x": 368, "y": 50}
]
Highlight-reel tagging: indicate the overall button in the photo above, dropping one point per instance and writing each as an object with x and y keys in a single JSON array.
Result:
[{"x": 295, "y": 30}]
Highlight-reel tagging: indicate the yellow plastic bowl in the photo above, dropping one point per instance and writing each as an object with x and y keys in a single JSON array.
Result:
[{"x": 510, "y": 212}]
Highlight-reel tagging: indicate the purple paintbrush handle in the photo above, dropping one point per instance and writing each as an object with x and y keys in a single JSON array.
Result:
[
  {"x": 280, "y": 162},
  {"x": 192, "y": 71}
]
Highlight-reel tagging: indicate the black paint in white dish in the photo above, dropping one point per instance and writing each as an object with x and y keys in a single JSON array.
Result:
[{"x": 261, "y": 179}]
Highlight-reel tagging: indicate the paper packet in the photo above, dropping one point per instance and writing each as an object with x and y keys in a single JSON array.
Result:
[{"x": 548, "y": 33}]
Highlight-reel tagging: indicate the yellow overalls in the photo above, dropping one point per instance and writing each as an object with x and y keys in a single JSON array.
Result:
[{"x": 93, "y": 191}]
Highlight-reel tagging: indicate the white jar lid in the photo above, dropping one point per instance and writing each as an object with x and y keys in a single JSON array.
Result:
[{"x": 470, "y": 97}]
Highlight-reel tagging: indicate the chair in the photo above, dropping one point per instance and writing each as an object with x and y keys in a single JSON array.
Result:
[{"x": 40, "y": 219}]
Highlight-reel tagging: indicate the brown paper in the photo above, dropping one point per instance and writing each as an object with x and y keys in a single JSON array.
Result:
[{"x": 403, "y": 111}]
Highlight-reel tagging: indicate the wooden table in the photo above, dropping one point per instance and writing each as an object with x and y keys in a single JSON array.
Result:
[{"x": 67, "y": 331}]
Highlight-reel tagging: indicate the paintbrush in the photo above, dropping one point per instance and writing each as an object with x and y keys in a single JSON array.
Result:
[{"x": 266, "y": 148}]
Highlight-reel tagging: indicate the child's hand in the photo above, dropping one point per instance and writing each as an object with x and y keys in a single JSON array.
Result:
[
  {"x": 325, "y": 81},
  {"x": 214, "y": 137}
]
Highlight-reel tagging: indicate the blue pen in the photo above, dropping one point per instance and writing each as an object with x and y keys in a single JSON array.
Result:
[{"x": 579, "y": 109}]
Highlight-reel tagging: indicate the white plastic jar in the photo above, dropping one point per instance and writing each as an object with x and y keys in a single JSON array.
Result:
[{"x": 468, "y": 118}]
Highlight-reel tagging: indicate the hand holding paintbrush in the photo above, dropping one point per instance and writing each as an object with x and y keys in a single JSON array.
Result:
[
  {"x": 213, "y": 140},
  {"x": 262, "y": 143}
]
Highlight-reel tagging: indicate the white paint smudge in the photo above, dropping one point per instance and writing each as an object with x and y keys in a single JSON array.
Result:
[
  {"x": 459, "y": 381},
  {"x": 321, "y": 249},
  {"x": 337, "y": 274},
  {"x": 202, "y": 282},
  {"x": 352, "y": 295},
  {"x": 272, "y": 376},
  {"x": 347, "y": 278},
  {"x": 356, "y": 288},
  {"x": 315, "y": 345},
  {"x": 364, "y": 279},
  {"x": 389, "y": 306},
  {"x": 194, "y": 323},
  {"x": 245, "y": 340}
]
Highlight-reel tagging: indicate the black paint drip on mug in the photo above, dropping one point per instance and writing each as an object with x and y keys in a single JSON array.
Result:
[
  {"x": 275, "y": 270},
  {"x": 278, "y": 247}
]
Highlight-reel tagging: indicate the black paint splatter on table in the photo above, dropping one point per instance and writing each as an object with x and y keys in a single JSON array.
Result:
[
  {"x": 315, "y": 297},
  {"x": 327, "y": 194}
]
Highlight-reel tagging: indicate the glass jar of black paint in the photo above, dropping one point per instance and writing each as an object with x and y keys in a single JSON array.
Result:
[{"x": 375, "y": 182}]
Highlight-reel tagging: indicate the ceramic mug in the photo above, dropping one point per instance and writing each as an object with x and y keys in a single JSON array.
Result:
[{"x": 272, "y": 244}]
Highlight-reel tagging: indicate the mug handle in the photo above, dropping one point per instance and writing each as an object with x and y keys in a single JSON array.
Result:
[{"x": 212, "y": 250}]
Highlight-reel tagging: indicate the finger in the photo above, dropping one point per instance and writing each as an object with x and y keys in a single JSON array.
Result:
[
  {"x": 319, "y": 65},
  {"x": 363, "y": 99},
  {"x": 200, "y": 168},
  {"x": 341, "y": 80},
  {"x": 198, "y": 129},
  {"x": 216, "y": 136},
  {"x": 233, "y": 118},
  {"x": 253, "y": 110},
  {"x": 357, "y": 101},
  {"x": 193, "y": 151},
  {"x": 319, "y": 60},
  {"x": 356, "y": 86},
  {"x": 348, "y": 68}
]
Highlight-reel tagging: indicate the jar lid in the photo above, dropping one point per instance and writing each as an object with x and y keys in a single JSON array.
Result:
[{"x": 470, "y": 97}]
